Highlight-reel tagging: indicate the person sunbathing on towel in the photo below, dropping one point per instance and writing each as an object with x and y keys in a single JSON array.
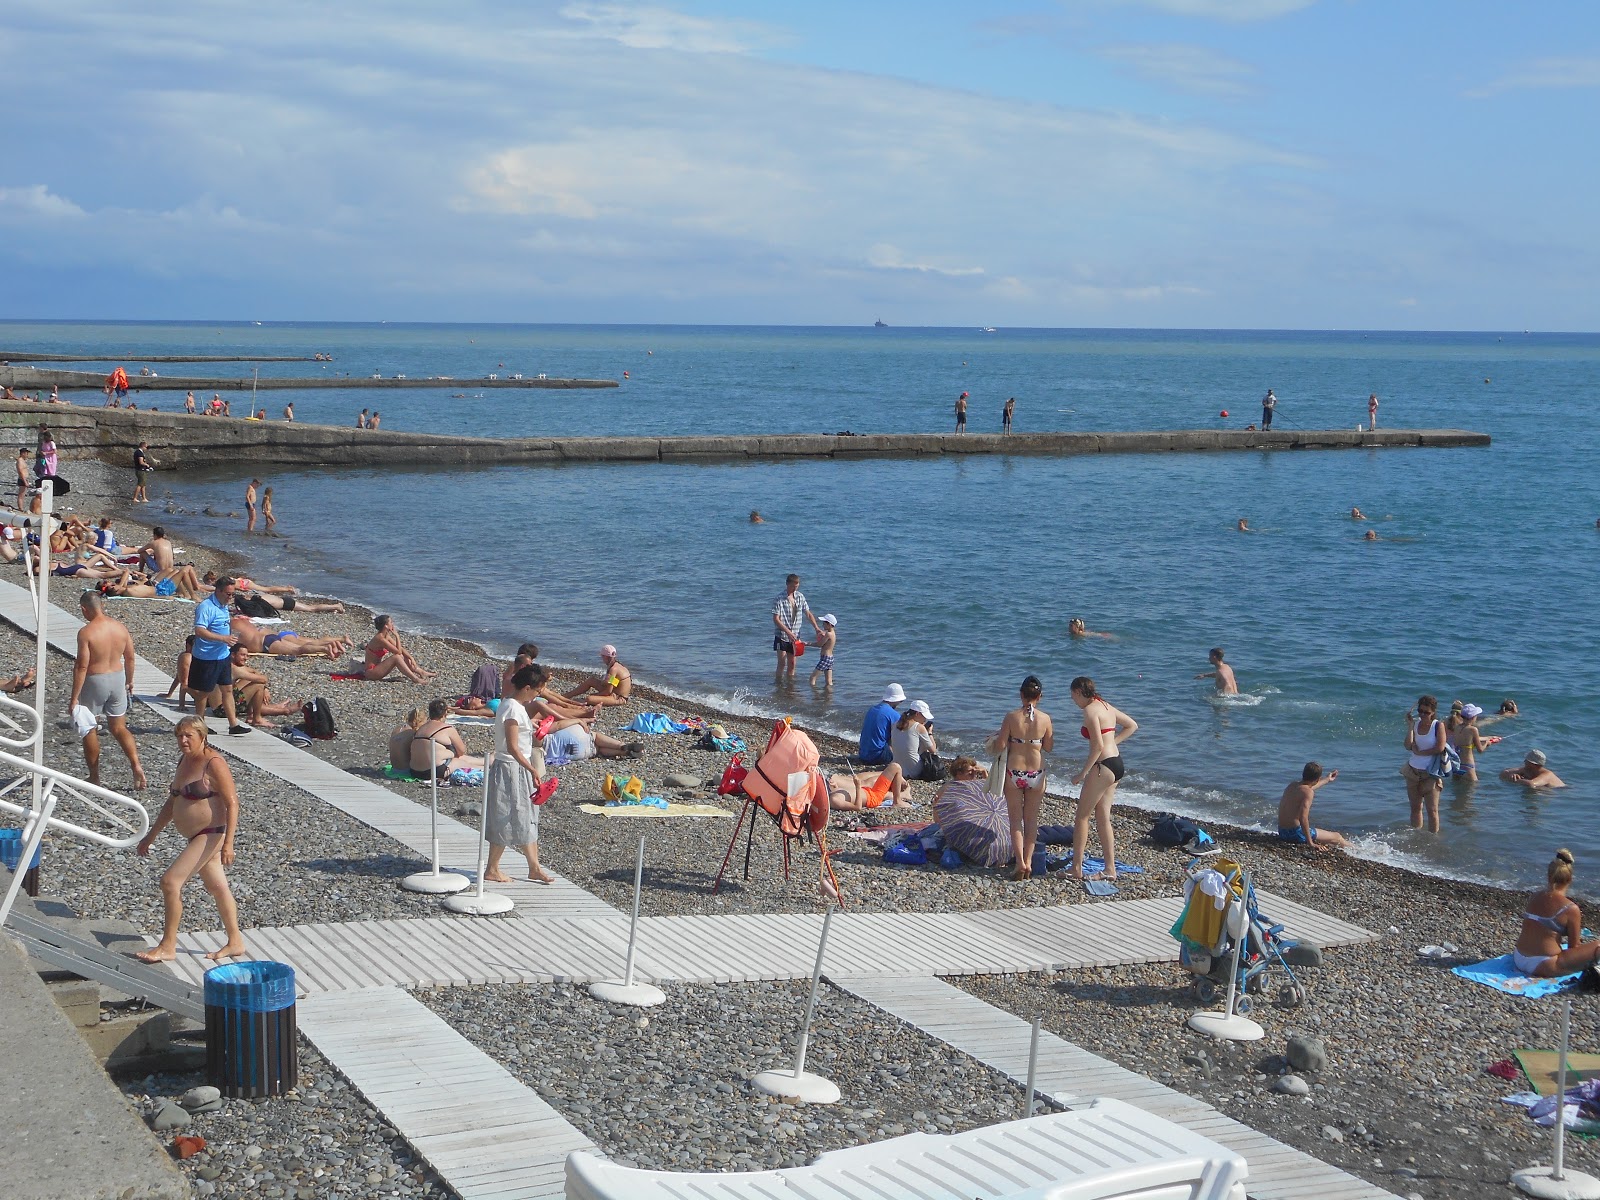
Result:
[
  {"x": 252, "y": 697},
  {"x": 385, "y": 654},
  {"x": 285, "y": 643},
  {"x": 612, "y": 686},
  {"x": 857, "y": 793}
]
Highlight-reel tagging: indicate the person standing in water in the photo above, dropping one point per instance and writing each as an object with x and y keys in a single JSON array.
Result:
[
  {"x": 266, "y": 512},
  {"x": 827, "y": 639},
  {"x": 250, "y": 506},
  {"x": 1425, "y": 738},
  {"x": 1227, "y": 685}
]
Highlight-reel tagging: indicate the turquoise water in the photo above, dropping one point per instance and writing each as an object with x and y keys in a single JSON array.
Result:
[{"x": 956, "y": 578}]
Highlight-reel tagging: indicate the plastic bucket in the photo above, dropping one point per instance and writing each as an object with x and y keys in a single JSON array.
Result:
[
  {"x": 11, "y": 855},
  {"x": 252, "y": 1047}
]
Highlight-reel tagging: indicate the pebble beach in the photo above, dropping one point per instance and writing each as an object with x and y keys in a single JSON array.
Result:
[{"x": 1404, "y": 1100}]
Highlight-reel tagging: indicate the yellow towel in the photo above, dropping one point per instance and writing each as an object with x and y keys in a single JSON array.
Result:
[
  {"x": 649, "y": 810},
  {"x": 1202, "y": 919}
]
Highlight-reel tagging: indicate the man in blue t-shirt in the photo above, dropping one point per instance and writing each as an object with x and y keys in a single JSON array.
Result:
[
  {"x": 211, "y": 669},
  {"x": 879, "y": 721}
]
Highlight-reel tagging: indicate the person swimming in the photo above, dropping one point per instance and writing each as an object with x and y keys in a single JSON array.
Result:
[{"x": 756, "y": 518}]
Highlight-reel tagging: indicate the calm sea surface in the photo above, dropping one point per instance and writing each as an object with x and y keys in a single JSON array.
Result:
[{"x": 957, "y": 578}]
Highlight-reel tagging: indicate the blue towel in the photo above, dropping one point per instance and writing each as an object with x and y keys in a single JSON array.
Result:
[
  {"x": 654, "y": 722},
  {"x": 1499, "y": 974},
  {"x": 1099, "y": 887}
]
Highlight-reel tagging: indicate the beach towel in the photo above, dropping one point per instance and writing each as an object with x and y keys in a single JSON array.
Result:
[
  {"x": 1499, "y": 974},
  {"x": 390, "y": 771},
  {"x": 1540, "y": 1067},
  {"x": 264, "y": 621},
  {"x": 345, "y": 675},
  {"x": 459, "y": 719},
  {"x": 1099, "y": 887},
  {"x": 654, "y": 722},
  {"x": 1095, "y": 865},
  {"x": 645, "y": 810}
]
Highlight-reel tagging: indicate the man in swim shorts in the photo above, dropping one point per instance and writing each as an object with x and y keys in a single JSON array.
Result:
[
  {"x": 1227, "y": 685},
  {"x": 102, "y": 682},
  {"x": 1294, "y": 811},
  {"x": 787, "y": 610}
]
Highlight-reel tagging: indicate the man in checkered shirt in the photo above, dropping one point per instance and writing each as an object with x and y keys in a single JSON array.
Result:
[{"x": 787, "y": 610}]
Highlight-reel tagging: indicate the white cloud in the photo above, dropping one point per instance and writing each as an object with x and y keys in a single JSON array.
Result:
[
  {"x": 37, "y": 200},
  {"x": 884, "y": 257},
  {"x": 646, "y": 28},
  {"x": 1575, "y": 72},
  {"x": 1188, "y": 68},
  {"x": 1232, "y": 11}
]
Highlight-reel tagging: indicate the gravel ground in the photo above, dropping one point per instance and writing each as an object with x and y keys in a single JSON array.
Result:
[
  {"x": 1405, "y": 1090},
  {"x": 321, "y": 1139},
  {"x": 666, "y": 1088}
]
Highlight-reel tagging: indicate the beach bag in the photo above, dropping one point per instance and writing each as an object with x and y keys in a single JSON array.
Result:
[
  {"x": 254, "y": 606},
  {"x": 316, "y": 718},
  {"x": 1172, "y": 830},
  {"x": 617, "y": 787},
  {"x": 732, "y": 783},
  {"x": 930, "y": 766}
]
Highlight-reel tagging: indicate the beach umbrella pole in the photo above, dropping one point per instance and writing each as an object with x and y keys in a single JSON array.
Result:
[
  {"x": 798, "y": 1084},
  {"x": 477, "y": 903},
  {"x": 438, "y": 882},
  {"x": 1555, "y": 1182},
  {"x": 1033, "y": 1067},
  {"x": 640, "y": 995}
]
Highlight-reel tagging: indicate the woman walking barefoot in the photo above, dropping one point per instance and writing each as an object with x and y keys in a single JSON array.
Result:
[
  {"x": 204, "y": 807},
  {"x": 510, "y": 816},
  {"x": 1106, "y": 728},
  {"x": 1548, "y": 919},
  {"x": 1026, "y": 735},
  {"x": 1425, "y": 737}
]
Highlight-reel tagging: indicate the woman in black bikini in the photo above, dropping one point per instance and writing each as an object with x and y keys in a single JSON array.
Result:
[
  {"x": 204, "y": 807},
  {"x": 1106, "y": 728},
  {"x": 438, "y": 746},
  {"x": 1025, "y": 736}
]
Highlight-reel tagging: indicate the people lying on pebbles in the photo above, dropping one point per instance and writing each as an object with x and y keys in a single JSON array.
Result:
[
  {"x": 858, "y": 793},
  {"x": 285, "y": 642}
]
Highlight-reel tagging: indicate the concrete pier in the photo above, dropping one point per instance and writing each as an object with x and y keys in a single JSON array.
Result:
[
  {"x": 178, "y": 440},
  {"x": 40, "y": 379}
]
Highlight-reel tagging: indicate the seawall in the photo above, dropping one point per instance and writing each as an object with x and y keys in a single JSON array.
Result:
[
  {"x": 41, "y": 379},
  {"x": 177, "y": 440}
]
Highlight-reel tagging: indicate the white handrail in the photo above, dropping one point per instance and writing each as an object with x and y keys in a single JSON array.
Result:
[
  {"x": 26, "y": 739},
  {"x": 58, "y": 784}
]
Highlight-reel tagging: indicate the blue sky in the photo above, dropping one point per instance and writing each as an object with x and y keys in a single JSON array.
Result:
[{"x": 1154, "y": 163}]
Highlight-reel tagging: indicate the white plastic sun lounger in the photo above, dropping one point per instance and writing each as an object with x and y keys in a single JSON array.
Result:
[{"x": 1109, "y": 1150}]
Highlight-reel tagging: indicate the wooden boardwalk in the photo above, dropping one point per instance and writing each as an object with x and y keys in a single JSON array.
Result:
[
  {"x": 1072, "y": 1076},
  {"x": 445, "y": 951},
  {"x": 489, "y": 1136}
]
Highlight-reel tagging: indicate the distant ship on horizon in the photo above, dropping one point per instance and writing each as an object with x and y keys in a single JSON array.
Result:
[{"x": 880, "y": 324}]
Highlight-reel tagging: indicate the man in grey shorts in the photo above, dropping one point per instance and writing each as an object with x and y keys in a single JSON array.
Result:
[{"x": 102, "y": 682}]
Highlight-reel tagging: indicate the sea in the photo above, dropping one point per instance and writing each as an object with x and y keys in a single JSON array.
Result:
[{"x": 957, "y": 577}]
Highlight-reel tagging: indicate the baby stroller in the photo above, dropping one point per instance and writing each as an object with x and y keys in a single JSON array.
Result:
[{"x": 1206, "y": 943}]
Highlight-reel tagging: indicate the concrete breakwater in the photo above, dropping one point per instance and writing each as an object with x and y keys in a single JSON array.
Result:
[
  {"x": 178, "y": 440},
  {"x": 25, "y": 356},
  {"x": 33, "y": 379}
]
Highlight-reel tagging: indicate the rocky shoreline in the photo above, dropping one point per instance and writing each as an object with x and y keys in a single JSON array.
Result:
[{"x": 1404, "y": 1100}]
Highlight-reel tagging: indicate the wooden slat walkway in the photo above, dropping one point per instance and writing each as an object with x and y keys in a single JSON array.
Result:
[
  {"x": 711, "y": 949},
  {"x": 489, "y": 1136},
  {"x": 1072, "y": 1077},
  {"x": 377, "y": 807}
]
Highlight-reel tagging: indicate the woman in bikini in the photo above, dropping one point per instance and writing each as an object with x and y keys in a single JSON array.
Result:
[
  {"x": 1106, "y": 728},
  {"x": 1025, "y": 736},
  {"x": 438, "y": 746},
  {"x": 204, "y": 807},
  {"x": 1549, "y": 919},
  {"x": 385, "y": 654},
  {"x": 1425, "y": 737},
  {"x": 855, "y": 793}
]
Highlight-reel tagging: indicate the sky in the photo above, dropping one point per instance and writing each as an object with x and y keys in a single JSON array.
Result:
[{"x": 1057, "y": 163}]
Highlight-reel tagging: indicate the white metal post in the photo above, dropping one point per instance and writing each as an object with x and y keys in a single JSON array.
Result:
[
  {"x": 640, "y": 995},
  {"x": 475, "y": 903},
  {"x": 1033, "y": 1065},
  {"x": 1555, "y": 1182},
  {"x": 1227, "y": 1024},
  {"x": 797, "y": 1084},
  {"x": 437, "y": 882},
  {"x": 41, "y": 626}
]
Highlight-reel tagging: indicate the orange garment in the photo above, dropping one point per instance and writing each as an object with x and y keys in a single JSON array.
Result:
[{"x": 875, "y": 793}]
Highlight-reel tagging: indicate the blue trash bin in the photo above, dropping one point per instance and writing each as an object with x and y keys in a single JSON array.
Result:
[
  {"x": 252, "y": 1043},
  {"x": 11, "y": 855}
]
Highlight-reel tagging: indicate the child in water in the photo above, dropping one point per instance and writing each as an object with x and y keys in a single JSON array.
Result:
[
  {"x": 827, "y": 639},
  {"x": 266, "y": 511}
]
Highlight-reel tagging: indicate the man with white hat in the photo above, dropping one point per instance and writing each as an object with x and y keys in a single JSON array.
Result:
[
  {"x": 880, "y": 720},
  {"x": 1533, "y": 773}
]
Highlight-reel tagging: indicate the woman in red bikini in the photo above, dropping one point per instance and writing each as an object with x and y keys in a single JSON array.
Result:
[
  {"x": 204, "y": 807},
  {"x": 1106, "y": 728},
  {"x": 1025, "y": 736}
]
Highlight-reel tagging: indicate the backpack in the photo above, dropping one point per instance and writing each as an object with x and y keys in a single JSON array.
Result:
[
  {"x": 1172, "y": 830},
  {"x": 254, "y": 606},
  {"x": 316, "y": 719}
]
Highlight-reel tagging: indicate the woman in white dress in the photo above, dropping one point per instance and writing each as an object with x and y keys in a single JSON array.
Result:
[{"x": 515, "y": 770}]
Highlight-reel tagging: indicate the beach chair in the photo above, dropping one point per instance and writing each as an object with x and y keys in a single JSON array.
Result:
[
  {"x": 787, "y": 784},
  {"x": 1108, "y": 1150}
]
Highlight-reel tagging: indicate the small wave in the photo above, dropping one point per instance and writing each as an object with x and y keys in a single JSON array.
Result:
[
  {"x": 1374, "y": 847},
  {"x": 1239, "y": 700}
]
